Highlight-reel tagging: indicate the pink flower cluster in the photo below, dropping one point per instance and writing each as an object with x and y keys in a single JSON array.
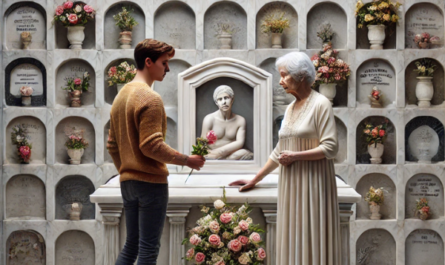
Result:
[
  {"x": 329, "y": 68},
  {"x": 25, "y": 153},
  {"x": 26, "y": 91},
  {"x": 424, "y": 40},
  {"x": 68, "y": 12}
]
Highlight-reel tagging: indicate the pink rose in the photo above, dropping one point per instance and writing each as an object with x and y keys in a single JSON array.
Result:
[
  {"x": 77, "y": 81},
  {"x": 226, "y": 218},
  {"x": 88, "y": 9},
  {"x": 315, "y": 57},
  {"x": 243, "y": 225},
  {"x": 323, "y": 69},
  {"x": 337, "y": 77},
  {"x": 243, "y": 239},
  {"x": 26, "y": 91},
  {"x": 72, "y": 18},
  {"x": 195, "y": 240},
  {"x": 67, "y": 5},
  {"x": 382, "y": 133},
  {"x": 59, "y": 10},
  {"x": 261, "y": 254},
  {"x": 25, "y": 153},
  {"x": 200, "y": 257},
  {"x": 214, "y": 226},
  {"x": 235, "y": 245},
  {"x": 255, "y": 238},
  {"x": 190, "y": 253},
  {"x": 214, "y": 240},
  {"x": 331, "y": 60},
  {"x": 113, "y": 70},
  {"x": 211, "y": 137}
]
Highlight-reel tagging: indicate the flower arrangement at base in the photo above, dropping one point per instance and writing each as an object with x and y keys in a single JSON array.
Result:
[
  {"x": 375, "y": 198},
  {"x": 224, "y": 32},
  {"x": 121, "y": 74},
  {"x": 26, "y": 92},
  {"x": 20, "y": 139},
  {"x": 75, "y": 144},
  {"x": 329, "y": 71},
  {"x": 375, "y": 137},
  {"x": 325, "y": 33},
  {"x": 275, "y": 23},
  {"x": 125, "y": 22},
  {"x": 225, "y": 235},
  {"x": 424, "y": 40},
  {"x": 424, "y": 89},
  {"x": 422, "y": 209},
  {"x": 75, "y": 87}
]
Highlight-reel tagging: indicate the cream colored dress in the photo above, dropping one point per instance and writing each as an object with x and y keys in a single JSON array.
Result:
[{"x": 308, "y": 224}]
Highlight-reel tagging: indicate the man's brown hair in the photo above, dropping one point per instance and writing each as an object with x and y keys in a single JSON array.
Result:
[{"x": 153, "y": 49}]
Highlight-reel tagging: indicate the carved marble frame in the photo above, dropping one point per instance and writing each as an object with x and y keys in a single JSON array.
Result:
[{"x": 258, "y": 79}]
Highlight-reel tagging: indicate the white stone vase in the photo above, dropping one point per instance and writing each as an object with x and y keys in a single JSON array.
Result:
[
  {"x": 76, "y": 36},
  {"x": 329, "y": 91},
  {"x": 225, "y": 40},
  {"x": 75, "y": 210},
  {"x": 26, "y": 100},
  {"x": 120, "y": 86},
  {"x": 125, "y": 39},
  {"x": 424, "y": 91},
  {"x": 375, "y": 212},
  {"x": 75, "y": 155},
  {"x": 276, "y": 40},
  {"x": 376, "y": 153},
  {"x": 376, "y": 36}
]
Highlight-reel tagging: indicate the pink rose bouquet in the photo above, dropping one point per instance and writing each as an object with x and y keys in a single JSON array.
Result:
[
  {"x": 376, "y": 134},
  {"x": 329, "y": 69},
  {"x": 121, "y": 74},
  {"x": 424, "y": 40},
  {"x": 26, "y": 91},
  {"x": 73, "y": 15},
  {"x": 20, "y": 138},
  {"x": 226, "y": 235}
]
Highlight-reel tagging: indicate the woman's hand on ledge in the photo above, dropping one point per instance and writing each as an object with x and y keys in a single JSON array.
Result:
[{"x": 245, "y": 183}]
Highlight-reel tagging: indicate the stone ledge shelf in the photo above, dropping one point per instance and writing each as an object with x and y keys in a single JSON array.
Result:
[{"x": 204, "y": 189}]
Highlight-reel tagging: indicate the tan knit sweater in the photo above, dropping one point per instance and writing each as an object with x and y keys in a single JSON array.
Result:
[{"x": 138, "y": 124}]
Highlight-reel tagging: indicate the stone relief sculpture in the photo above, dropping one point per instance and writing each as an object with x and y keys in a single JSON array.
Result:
[{"x": 229, "y": 127}]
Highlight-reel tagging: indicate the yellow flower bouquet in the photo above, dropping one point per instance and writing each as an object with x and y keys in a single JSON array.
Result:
[{"x": 382, "y": 12}]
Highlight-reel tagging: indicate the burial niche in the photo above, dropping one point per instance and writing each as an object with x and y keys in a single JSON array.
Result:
[
  {"x": 424, "y": 246},
  {"x": 411, "y": 81},
  {"x": 172, "y": 133},
  {"x": 280, "y": 97},
  {"x": 322, "y": 14},
  {"x": 75, "y": 247},
  {"x": 427, "y": 140},
  {"x": 362, "y": 41},
  {"x": 420, "y": 18},
  {"x": 25, "y": 26},
  {"x": 27, "y": 131},
  {"x": 376, "y": 246},
  {"x": 73, "y": 198},
  {"x": 168, "y": 89},
  {"x": 390, "y": 144},
  {"x": 377, "y": 180},
  {"x": 342, "y": 135},
  {"x": 111, "y": 89},
  {"x": 229, "y": 16},
  {"x": 207, "y": 115},
  {"x": 25, "y": 198},
  {"x": 424, "y": 186},
  {"x": 289, "y": 38},
  {"x": 25, "y": 72},
  {"x": 175, "y": 24},
  {"x": 112, "y": 32},
  {"x": 25, "y": 247},
  {"x": 75, "y": 68},
  {"x": 380, "y": 74},
  {"x": 62, "y": 134}
]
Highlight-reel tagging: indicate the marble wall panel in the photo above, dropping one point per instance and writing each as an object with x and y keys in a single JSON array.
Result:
[
  {"x": 342, "y": 135},
  {"x": 432, "y": 122},
  {"x": 424, "y": 186},
  {"x": 420, "y": 18},
  {"x": 25, "y": 198},
  {"x": 279, "y": 95},
  {"x": 424, "y": 246},
  {"x": 322, "y": 14},
  {"x": 172, "y": 133},
  {"x": 168, "y": 89},
  {"x": 74, "y": 189},
  {"x": 376, "y": 246},
  {"x": 75, "y": 247},
  {"x": 26, "y": 247}
]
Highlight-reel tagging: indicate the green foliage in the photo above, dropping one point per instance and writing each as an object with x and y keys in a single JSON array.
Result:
[
  {"x": 201, "y": 148},
  {"x": 83, "y": 86},
  {"x": 425, "y": 67},
  {"x": 76, "y": 142},
  {"x": 124, "y": 20}
]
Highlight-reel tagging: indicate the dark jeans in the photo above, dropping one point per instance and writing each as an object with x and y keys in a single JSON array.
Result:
[{"x": 145, "y": 207}]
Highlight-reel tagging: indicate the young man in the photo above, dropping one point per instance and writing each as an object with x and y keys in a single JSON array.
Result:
[{"x": 138, "y": 124}]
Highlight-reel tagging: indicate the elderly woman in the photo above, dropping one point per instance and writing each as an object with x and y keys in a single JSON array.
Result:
[{"x": 307, "y": 220}]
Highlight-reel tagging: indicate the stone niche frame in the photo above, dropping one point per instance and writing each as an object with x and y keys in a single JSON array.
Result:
[
  {"x": 261, "y": 83},
  {"x": 73, "y": 246},
  {"x": 34, "y": 237},
  {"x": 424, "y": 20},
  {"x": 13, "y": 100},
  {"x": 374, "y": 245},
  {"x": 424, "y": 185},
  {"x": 429, "y": 247},
  {"x": 11, "y": 9}
]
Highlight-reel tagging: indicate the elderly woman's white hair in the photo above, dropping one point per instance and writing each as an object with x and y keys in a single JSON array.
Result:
[
  {"x": 223, "y": 89},
  {"x": 299, "y": 65}
]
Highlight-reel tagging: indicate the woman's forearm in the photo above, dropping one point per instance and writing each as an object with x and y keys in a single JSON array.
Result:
[
  {"x": 266, "y": 170},
  {"x": 310, "y": 155}
]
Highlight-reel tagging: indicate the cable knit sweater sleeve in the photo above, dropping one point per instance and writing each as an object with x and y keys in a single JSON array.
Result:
[
  {"x": 112, "y": 147},
  {"x": 152, "y": 131}
]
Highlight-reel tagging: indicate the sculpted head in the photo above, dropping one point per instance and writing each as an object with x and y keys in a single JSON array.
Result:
[{"x": 223, "y": 97}]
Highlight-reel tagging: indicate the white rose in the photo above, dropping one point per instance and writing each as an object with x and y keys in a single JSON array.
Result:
[
  {"x": 62, "y": 18},
  {"x": 249, "y": 220},
  {"x": 219, "y": 204},
  {"x": 78, "y": 9}
]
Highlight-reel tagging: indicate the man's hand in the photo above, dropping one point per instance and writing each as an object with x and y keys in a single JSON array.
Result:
[
  {"x": 286, "y": 158},
  {"x": 195, "y": 162},
  {"x": 246, "y": 184}
]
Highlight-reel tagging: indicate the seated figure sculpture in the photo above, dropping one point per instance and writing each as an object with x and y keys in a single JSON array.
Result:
[{"x": 229, "y": 127}]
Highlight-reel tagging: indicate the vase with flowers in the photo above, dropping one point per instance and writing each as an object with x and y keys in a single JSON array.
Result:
[
  {"x": 25, "y": 39},
  {"x": 325, "y": 33},
  {"x": 275, "y": 23},
  {"x": 75, "y": 87},
  {"x": 26, "y": 92},
  {"x": 375, "y": 198},
  {"x": 376, "y": 15},
  {"x": 125, "y": 22},
  {"x": 75, "y": 144},
  {"x": 424, "y": 88},
  {"x": 20, "y": 138},
  {"x": 375, "y": 137},
  {"x": 224, "y": 33},
  {"x": 422, "y": 209},
  {"x": 425, "y": 40},
  {"x": 74, "y": 16},
  {"x": 121, "y": 74},
  {"x": 376, "y": 97}
]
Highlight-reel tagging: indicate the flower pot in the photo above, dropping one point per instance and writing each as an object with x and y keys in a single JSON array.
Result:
[
  {"x": 225, "y": 39},
  {"x": 25, "y": 43},
  {"x": 375, "y": 209},
  {"x": 424, "y": 45},
  {"x": 76, "y": 36},
  {"x": 376, "y": 153},
  {"x": 423, "y": 215},
  {"x": 376, "y": 36},
  {"x": 329, "y": 91},
  {"x": 26, "y": 100},
  {"x": 424, "y": 91},
  {"x": 75, "y": 155},
  {"x": 120, "y": 86},
  {"x": 75, "y": 100},
  {"x": 125, "y": 39},
  {"x": 276, "y": 40},
  {"x": 74, "y": 211}
]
